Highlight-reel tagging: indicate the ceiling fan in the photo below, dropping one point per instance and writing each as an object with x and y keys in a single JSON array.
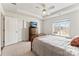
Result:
[{"x": 45, "y": 9}]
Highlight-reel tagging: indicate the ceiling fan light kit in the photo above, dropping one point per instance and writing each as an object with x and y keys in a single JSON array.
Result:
[{"x": 44, "y": 11}]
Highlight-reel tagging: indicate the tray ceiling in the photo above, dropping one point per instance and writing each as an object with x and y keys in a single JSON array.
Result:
[{"x": 35, "y": 9}]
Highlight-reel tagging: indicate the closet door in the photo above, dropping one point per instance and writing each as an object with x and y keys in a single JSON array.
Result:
[{"x": 10, "y": 30}]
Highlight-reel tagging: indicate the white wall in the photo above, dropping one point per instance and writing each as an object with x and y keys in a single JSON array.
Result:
[{"x": 73, "y": 16}]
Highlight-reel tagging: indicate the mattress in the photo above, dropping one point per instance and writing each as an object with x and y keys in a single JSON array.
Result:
[{"x": 49, "y": 45}]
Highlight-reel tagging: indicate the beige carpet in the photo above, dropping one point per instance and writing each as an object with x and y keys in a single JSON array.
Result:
[{"x": 18, "y": 49}]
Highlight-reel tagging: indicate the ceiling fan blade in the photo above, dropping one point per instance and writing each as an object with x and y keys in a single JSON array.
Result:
[
  {"x": 13, "y": 3},
  {"x": 52, "y": 7}
]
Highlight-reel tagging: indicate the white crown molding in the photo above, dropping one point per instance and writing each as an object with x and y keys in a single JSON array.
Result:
[
  {"x": 26, "y": 14},
  {"x": 17, "y": 15}
]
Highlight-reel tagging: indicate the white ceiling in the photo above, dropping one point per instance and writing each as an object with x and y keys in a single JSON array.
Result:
[{"x": 35, "y": 9}]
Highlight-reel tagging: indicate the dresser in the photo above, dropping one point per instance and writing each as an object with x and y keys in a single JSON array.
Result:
[{"x": 33, "y": 32}]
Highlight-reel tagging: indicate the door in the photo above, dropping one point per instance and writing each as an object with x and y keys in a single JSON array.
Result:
[
  {"x": 10, "y": 30},
  {"x": 13, "y": 30}
]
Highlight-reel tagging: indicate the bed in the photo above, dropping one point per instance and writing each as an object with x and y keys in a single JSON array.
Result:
[{"x": 50, "y": 45}]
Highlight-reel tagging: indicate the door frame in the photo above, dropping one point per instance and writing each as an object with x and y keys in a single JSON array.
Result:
[{"x": 2, "y": 31}]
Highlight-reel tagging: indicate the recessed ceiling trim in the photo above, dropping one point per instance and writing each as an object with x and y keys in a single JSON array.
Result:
[{"x": 65, "y": 11}]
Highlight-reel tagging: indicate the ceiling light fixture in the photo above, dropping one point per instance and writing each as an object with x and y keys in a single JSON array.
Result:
[{"x": 44, "y": 11}]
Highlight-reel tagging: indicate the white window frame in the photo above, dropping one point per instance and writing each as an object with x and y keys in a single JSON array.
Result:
[{"x": 53, "y": 30}]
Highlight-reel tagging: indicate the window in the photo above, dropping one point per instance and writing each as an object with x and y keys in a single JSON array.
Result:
[{"x": 61, "y": 28}]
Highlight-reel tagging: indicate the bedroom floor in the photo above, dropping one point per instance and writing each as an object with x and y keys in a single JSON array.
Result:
[{"x": 18, "y": 49}]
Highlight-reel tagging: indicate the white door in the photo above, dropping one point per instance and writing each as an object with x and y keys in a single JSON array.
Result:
[
  {"x": 13, "y": 30},
  {"x": 10, "y": 30}
]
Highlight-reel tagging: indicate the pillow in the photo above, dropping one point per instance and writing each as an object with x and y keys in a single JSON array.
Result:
[{"x": 75, "y": 42}]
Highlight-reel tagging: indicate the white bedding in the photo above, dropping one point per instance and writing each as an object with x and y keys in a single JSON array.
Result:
[{"x": 49, "y": 45}]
